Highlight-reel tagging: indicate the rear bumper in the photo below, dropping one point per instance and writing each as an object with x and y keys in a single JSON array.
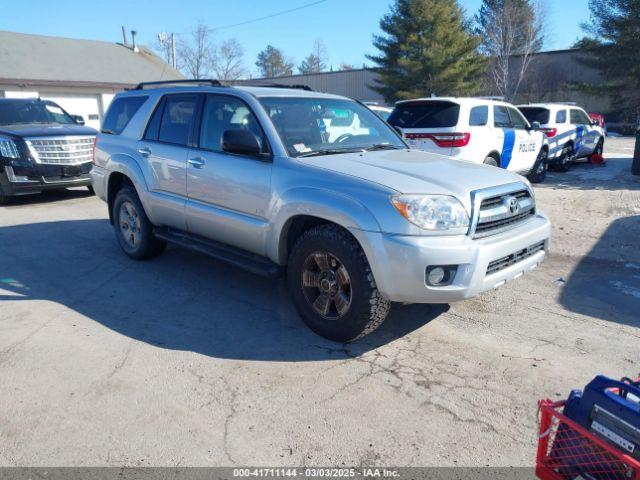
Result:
[
  {"x": 399, "y": 262},
  {"x": 35, "y": 179}
]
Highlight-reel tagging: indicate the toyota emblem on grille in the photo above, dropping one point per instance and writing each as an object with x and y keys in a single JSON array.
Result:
[{"x": 512, "y": 204}]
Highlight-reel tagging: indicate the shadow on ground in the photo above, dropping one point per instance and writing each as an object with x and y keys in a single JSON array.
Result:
[
  {"x": 615, "y": 174},
  {"x": 48, "y": 196},
  {"x": 604, "y": 287},
  {"x": 180, "y": 300}
]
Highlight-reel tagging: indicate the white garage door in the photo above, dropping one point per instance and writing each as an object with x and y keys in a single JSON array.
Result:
[{"x": 87, "y": 106}]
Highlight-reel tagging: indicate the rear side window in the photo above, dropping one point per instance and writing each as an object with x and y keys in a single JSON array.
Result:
[
  {"x": 561, "y": 116},
  {"x": 479, "y": 116},
  {"x": 425, "y": 115},
  {"x": 535, "y": 114},
  {"x": 120, "y": 114},
  {"x": 177, "y": 119},
  {"x": 501, "y": 117}
]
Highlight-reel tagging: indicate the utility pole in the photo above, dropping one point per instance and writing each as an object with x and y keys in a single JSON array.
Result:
[{"x": 174, "y": 62}]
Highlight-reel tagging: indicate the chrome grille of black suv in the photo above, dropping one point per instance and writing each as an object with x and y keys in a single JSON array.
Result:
[{"x": 496, "y": 215}]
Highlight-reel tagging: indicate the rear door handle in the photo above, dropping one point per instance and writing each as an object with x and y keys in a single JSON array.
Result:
[
  {"x": 145, "y": 151},
  {"x": 197, "y": 162}
]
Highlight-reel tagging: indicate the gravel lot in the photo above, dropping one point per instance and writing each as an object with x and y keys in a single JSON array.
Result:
[{"x": 185, "y": 361}]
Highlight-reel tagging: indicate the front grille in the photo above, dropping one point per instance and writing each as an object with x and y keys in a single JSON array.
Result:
[
  {"x": 61, "y": 150},
  {"x": 495, "y": 216},
  {"x": 514, "y": 258}
]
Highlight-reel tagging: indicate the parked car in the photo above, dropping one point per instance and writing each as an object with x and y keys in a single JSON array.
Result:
[
  {"x": 257, "y": 177},
  {"x": 599, "y": 119},
  {"x": 42, "y": 147},
  {"x": 382, "y": 111},
  {"x": 480, "y": 130},
  {"x": 570, "y": 132}
]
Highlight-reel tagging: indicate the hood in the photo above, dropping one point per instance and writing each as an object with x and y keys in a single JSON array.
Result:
[
  {"x": 46, "y": 130},
  {"x": 413, "y": 171}
]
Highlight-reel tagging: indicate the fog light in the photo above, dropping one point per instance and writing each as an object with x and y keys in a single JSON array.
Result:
[
  {"x": 436, "y": 275},
  {"x": 440, "y": 275}
]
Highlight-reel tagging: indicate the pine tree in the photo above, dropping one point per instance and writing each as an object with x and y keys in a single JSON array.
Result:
[
  {"x": 612, "y": 46},
  {"x": 427, "y": 49},
  {"x": 272, "y": 63}
]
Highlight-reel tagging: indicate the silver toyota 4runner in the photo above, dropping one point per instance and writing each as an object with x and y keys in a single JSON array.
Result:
[{"x": 281, "y": 180}]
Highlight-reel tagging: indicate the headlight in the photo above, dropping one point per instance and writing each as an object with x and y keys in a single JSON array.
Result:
[
  {"x": 8, "y": 148},
  {"x": 432, "y": 212}
]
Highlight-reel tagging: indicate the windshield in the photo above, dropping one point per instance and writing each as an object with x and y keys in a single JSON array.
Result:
[
  {"x": 14, "y": 112},
  {"x": 323, "y": 126},
  {"x": 534, "y": 114}
]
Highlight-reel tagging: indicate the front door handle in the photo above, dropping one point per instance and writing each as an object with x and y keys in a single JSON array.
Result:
[
  {"x": 145, "y": 151},
  {"x": 197, "y": 162}
]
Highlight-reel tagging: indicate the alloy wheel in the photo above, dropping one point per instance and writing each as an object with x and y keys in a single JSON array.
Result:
[
  {"x": 326, "y": 285},
  {"x": 130, "y": 224}
]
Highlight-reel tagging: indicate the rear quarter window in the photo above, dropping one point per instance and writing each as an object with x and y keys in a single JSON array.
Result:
[
  {"x": 561, "y": 116},
  {"x": 479, "y": 116},
  {"x": 425, "y": 115},
  {"x": 120, "y": 114}
]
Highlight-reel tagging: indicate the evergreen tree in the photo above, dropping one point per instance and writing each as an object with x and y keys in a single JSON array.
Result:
[
  {"x": 272, "y": 63},
  {"x": 427, "y": 49},
  {"x": 612, "y": 46}
]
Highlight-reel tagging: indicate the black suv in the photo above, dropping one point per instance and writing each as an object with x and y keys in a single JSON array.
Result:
[{"x": 42, "y": 147}]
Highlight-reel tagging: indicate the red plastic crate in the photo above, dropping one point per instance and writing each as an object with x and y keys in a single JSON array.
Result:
[{"x": 567, "y": 451}]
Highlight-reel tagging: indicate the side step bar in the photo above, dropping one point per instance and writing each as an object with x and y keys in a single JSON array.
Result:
[{"x": 226, "y": 253}]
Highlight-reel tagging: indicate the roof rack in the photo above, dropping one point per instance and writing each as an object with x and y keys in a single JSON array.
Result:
[
  {"x": 258, "y": 83},
  {"x": 493, "y": 97},
  {"x": 572, "y": 104},
  {"x": 202, "y": 81}
]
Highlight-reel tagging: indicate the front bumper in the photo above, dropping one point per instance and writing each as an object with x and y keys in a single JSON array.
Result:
[
  {"x": 30, "y": 179},
  {"x": 399, "y": 262}
]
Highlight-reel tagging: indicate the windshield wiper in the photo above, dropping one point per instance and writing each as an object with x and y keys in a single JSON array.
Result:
[
  {"x": 329, "y": 151},
  {"x": 382, "y": 146}
]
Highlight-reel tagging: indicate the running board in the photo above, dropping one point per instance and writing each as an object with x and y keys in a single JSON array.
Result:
[{"x": 220, "y": 251}]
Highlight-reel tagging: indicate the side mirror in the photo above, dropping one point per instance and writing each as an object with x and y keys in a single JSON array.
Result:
[
  {"x": 78, "y": 119},
  {"x": 240, "y": 141},
  {"x": 535, "y": 126}
]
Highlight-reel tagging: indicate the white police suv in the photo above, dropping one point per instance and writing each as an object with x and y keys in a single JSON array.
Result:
[
  {"x": 571, "y": 134},
  {"x": 476, "y": 129}
]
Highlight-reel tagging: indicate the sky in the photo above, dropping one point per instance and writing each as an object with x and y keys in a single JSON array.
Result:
[{"x": 345, "y": 26}]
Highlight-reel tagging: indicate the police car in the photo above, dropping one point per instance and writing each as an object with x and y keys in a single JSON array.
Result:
[
  {"x": 571, "y": 133},
  {"x": 481, "y": 130}
]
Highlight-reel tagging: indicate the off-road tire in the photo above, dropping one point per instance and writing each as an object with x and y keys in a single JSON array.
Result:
[
  {"x": 539, "y": 171},
  {"x": 368, "y": 309},
  {"x": 491, "y": 161},
  {"x": 148, "y": 246}
]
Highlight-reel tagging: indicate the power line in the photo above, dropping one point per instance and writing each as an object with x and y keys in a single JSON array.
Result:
[{"x": 277, "y": 14}]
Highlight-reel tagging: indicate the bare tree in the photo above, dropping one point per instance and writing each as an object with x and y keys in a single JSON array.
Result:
[
  {"x": 316, "y": 61},
  {"x": 196, "y": 53},
  {"x": 228, "y": 60},
  {"x": 512, "y": 32},
  {"x": 162, "y": 46}
]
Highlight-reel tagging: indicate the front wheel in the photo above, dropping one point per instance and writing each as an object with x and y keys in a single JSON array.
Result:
[
  {"x": 4, "y": 199},
  {"x": 332, "y": 285},
  {"x": 599, "y": 150},
  {"x": 539, "y": 171},
  {"x": 133, "y": 229}
]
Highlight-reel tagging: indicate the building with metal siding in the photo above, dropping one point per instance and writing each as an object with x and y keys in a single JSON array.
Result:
[{"x": 548, "y": 79}]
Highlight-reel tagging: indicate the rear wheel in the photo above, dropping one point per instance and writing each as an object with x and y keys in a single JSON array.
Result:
[
  {"x": 332, "y": 285},
  {"x": 133, "y": 229},
  {"x": 598, "y": 150},
  {"x": 565, "y": 158},
  {"x": 539, "y": 171},
  {"x": 491, "y": 161}
]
